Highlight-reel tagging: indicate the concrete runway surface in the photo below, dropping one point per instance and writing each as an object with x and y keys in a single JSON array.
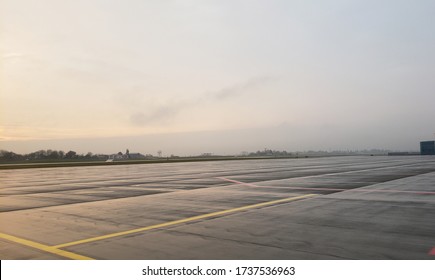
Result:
[{"x": 323, "y": 208}]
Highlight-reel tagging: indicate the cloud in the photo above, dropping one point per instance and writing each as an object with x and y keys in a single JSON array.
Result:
[
  {"x": 239, "y": 89},
  {"x": 159, "y": 115},
  {"x": 163, "y": 114}
]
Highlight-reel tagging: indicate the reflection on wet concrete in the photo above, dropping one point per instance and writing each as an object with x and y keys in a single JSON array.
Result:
[{"x": 364, "y": 208}]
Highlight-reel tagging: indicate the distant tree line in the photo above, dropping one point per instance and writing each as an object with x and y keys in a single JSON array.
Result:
[
  {"x": 273, "y": 153},
  {"x": 42, "y": 155},
  {"x": 54, "y": 155}
]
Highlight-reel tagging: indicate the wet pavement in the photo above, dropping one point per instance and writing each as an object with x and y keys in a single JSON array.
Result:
[{"x": 323, "y": 208}]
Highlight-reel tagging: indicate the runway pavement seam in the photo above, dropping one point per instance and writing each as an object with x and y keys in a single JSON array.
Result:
[
  {"x": 43, "y": 247},
  {"x": 332, "y": 189},
  {"x": 81, "y": 202},
  {"x": 182, "y": 221},
  {"x": 321, "y": 175},
  {"x": 300, "y": 168},
  {"x": 254, "y": 243}
]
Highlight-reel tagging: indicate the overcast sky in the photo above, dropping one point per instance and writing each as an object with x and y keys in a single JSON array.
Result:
[{"x": 218, "y": 76}]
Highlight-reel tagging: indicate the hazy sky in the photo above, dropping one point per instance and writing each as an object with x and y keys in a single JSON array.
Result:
[{"x": 216, "y": 76}]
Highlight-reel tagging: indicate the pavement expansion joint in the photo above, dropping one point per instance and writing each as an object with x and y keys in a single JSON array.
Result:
[
  {"x": 359, "y": 189},
  {"x": 186, "y": 220},
  {"x": 43, "y": 247}
]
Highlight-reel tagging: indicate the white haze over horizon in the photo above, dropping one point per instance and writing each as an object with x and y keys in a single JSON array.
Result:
[{"x": 191, "y": 77}]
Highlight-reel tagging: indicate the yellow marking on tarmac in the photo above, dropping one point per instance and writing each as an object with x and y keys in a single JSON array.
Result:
[
  {"x": 204, "y": 216},
  {"x": 43, "y": 247}
]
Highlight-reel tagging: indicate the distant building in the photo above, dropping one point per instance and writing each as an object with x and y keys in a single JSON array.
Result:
[
  {"x": 427, "y": 148},
  {"x": 135, "y": 156},
  {"x": 117, "y": 156}
]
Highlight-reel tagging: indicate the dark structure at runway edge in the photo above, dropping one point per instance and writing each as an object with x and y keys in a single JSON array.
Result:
[{"x": 427, "y": 148}]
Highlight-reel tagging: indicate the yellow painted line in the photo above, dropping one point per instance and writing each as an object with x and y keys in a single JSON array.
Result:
[
  {"x": 43, "y": 247},
  {"x": 204, "y": 216}
]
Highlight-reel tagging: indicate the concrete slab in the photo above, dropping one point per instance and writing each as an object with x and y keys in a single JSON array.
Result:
[{"x": 364, "y": 208}]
